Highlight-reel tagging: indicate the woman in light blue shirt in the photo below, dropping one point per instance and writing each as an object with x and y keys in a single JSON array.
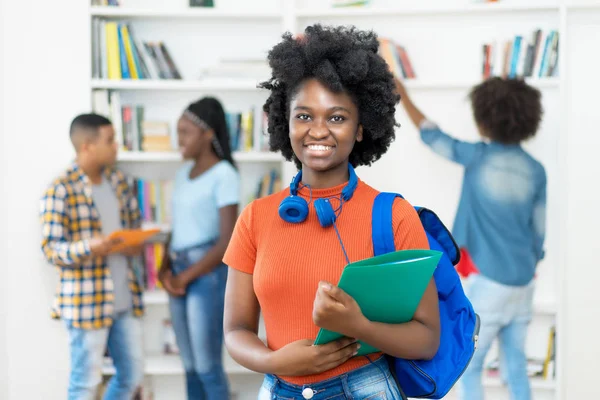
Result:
[{"x": 205, "y": 208}]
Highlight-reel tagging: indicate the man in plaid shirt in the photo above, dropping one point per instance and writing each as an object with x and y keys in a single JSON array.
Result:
[{"x": 99, "y": 296}]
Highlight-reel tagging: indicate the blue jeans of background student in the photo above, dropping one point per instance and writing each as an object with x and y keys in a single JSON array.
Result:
[
  {"x": 505, "y": 313},
  {"x": 373, "y": 381},
  {"x": 197, "y": 319},
  {"x": 87, "y": 348}
]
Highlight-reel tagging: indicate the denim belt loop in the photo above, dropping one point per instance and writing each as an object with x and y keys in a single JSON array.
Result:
[{"x": 346, "y": 386}]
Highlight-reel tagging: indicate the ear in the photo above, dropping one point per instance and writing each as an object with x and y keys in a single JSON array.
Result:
[{"x": 359, "y": 133}]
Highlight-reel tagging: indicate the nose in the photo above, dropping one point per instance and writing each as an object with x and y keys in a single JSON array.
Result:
[{"x": 319, "y": 130}]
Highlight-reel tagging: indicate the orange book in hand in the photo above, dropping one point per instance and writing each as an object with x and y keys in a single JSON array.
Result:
[{"x": 132, "y": 237}]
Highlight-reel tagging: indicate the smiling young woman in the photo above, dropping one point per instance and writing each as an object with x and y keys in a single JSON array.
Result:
[{"x": 331, "y": 108}]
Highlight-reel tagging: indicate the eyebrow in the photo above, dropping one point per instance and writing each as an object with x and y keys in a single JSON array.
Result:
[{"x": 335, "y": 108}]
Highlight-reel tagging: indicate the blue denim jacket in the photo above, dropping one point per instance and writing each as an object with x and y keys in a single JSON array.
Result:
[{"x": 501, "y": 217}]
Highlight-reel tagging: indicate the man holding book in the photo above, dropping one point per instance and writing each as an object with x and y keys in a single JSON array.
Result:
[{"x": 98, "y": 296}]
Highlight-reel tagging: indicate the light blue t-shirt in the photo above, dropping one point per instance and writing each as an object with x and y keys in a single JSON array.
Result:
[
  {"x": 196, "y": 203},
  {"x": 501, "y": 217}
]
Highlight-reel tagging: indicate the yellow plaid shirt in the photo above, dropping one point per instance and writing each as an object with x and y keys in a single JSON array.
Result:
[{"x": 84, "y": 297}]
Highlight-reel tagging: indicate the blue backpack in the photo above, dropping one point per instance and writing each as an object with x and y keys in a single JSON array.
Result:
[{"x": 433, "y": 379}]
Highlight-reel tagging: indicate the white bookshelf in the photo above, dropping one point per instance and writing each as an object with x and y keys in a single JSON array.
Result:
[
  {"x": 239, "y": 156},
  {"x": 447, "y": 66},
  {"x": 181, "y": 13},
  {"x": 212, "y": 85},
  {"x": 426, "y": 8},
  {"x": 165, "y": 365}
]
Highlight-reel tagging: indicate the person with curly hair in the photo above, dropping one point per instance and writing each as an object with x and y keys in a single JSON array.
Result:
[
  {"x": 500, "y": 220},
  {"x": 331, "y": 108}
]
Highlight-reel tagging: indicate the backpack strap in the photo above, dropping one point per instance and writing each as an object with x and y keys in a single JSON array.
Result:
[
  {"x": 381, "y": 225},
  {"x": 383, "y": 230},
  {"x": 435, "y": 228}
]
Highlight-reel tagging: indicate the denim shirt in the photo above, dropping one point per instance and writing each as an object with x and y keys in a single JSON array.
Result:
[{"x": 501, "y": 216}]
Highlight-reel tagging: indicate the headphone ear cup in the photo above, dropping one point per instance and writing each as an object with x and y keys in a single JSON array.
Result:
[
  {"x": 293, "y": 209},
  {"x": 325, "y": 212}
]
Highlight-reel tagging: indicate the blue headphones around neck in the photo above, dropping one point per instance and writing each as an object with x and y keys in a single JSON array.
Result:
[{"x": 294, "y": 208}]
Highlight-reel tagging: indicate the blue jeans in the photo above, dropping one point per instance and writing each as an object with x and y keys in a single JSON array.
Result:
[
  {"x": 505, "y": 313},
  {"x": 373, "y": 381},
  {"x": 87, "y": 347},
  {"x": 197, "y": 319}
]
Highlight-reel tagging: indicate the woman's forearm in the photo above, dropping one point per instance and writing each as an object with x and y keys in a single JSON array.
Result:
[
  {"x": 249, "y": 351},
  {"x": 206, "y": 264},
  {"x": 412, "y": 340}
]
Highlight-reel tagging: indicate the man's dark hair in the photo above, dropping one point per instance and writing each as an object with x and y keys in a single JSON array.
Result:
[
  {"x": 85, "y": 126},
  {"x": 344, "y": 59},
  {"x": 508, "y": 111}
]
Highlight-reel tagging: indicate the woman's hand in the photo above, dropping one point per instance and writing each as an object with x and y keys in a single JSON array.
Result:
[
  {"x": 302, "y": 358},
  {"x": 166, "y": 279},
  {"x": 336, "y": 311}
]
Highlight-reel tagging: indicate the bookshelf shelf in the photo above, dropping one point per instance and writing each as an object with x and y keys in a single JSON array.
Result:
[
  {"x": 141, "y": 156},
  {"x": 155, "y": 297},
  {"x": 425, "y": 9},
  {"x": 418, "y": 84},
  {"x": 250, "y": 85},
  {"x": 205, "y": 85},
  {"x": 583, "y": 6},
  {"x": 164, "y": 228},
  {"x": 536, "y": 383},
  {"x": 161, "y": 364},
  {"x": 206, "y": 13}
]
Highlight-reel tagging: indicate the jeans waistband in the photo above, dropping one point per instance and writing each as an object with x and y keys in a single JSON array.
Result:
[
  {"x": 377, "y": 367},
  {"x": 186, "y": 253}
]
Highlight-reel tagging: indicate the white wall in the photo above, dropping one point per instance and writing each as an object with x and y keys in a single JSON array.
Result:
[
  {"x": 44, "y": 86},
  {"x": 3, "y": 231},
  {"x": 582, "y": 266}
]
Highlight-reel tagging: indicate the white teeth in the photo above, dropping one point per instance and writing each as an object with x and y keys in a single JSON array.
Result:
[{"x": 319, "y": 147}]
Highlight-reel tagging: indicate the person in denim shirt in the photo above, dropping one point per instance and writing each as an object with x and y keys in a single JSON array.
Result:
[
  {"x": 205, "y": 208},
  {"x": 500, "y": 219}
]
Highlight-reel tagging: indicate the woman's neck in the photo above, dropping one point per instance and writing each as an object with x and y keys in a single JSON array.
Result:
[
  {"x": 325, "y": 179},
  {"x": 204, "y": 163}
]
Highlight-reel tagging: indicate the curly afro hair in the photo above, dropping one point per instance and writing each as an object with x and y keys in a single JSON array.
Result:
[
  {"x": 343, "y": 59},
  {"x": 508, "y": 111}
]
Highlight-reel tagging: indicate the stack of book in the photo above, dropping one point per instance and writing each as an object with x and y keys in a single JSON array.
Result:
[
  {"x": 118, "y": 54},
  {"x": 534, "y": 56}
]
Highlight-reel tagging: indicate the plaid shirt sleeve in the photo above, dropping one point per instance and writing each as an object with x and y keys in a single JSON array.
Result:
[{"x": 55, "y": 230}]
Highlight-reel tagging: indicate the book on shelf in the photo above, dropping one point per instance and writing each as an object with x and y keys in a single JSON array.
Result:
[
  {"x": 396, "y": 58},
  {"x": 268, "y": 184},
  {"x": 523, "y": 56},
  {"x": 154, "y": 199},
  {"x": 202, "y": 3},
  {"x": 105, "y": 3},
  {"x": 132, "y": 131},
  {"x": 247, "y": 130},
  {"x": 118, "y": 54},
  {"x": 151, "y": 263},
  {"x": 349, "y": 3}
]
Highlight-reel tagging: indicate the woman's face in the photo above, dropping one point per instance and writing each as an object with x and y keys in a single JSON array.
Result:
[
  {"x": 192, "y": 139},
  {"x": 323, "y": 126}
]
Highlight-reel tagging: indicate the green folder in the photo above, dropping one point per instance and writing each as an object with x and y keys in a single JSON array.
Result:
[{"x": 388, "y": 288}]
